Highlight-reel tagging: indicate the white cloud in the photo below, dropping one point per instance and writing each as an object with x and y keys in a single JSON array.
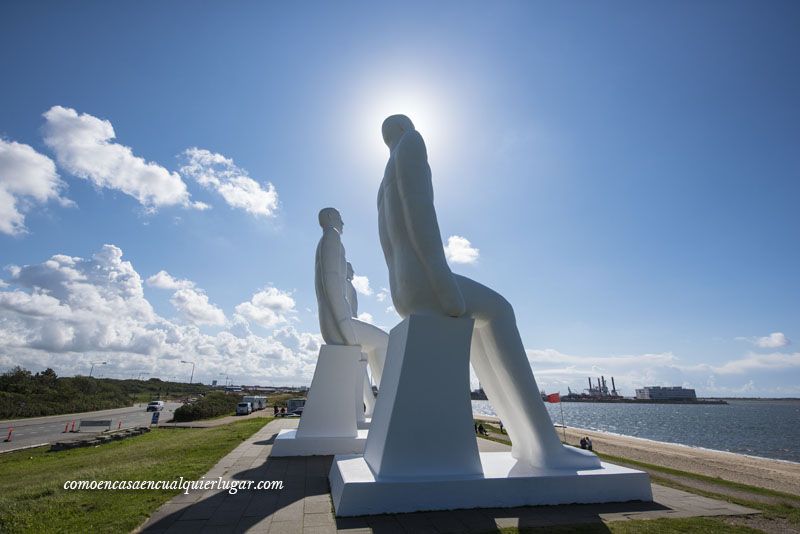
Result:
[
  {"x": 194, "y": 305},
  {"x": 215, "y": 171},
  {"x": 27, "y": 178},
  {"x": 460, "y": 250},
  {"x": 383, "y": 294},
  {"x": 361, "y": 284},
  {"x": 83, "y": 145},
  {"x": 773, "y": 341},
  {"x": 269, "y": 307},
  {"x": 164, "y": 280},
  {"x": 758, "y": 362},
  {"x": 366, "y": 317},
  {"x": 68, "y": 311},
  {"x": 190, "y": 301}
]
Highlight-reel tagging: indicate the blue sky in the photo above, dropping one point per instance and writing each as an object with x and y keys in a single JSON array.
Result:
[{"x": 626, "y": 174}]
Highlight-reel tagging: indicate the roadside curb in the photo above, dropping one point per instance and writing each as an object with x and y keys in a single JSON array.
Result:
[{"x": 25, "y": 447}]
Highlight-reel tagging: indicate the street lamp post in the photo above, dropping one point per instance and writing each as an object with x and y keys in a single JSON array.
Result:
[
  {"x": 191, "y": 377},
  {"x": 93, "y": 364}
]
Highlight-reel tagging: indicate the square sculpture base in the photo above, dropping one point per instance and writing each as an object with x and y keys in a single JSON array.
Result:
[
  {"x": 288, "y": 444},
  {"x": 504, "y": 484}
]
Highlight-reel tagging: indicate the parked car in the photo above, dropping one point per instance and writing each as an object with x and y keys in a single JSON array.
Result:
[
  {"x": 295, "y": 406},
  {"x": 256, "y": 402},
  {"x": 244, "y": 408},
  {"x": 155, "y": 406}
]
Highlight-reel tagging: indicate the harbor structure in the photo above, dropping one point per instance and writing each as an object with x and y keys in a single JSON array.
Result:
[{"x": 674, "y": 393}]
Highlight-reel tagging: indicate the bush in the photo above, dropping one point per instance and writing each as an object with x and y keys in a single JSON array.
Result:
[
  {"x": 212, "y": 405},
  {"x": 24, "y": 394}
]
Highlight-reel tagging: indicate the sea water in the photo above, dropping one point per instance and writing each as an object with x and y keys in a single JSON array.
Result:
[{"x": 766, "y": 428}]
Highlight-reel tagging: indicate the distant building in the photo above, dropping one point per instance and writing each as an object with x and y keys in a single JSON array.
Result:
[{"x": 665, "y": 393}]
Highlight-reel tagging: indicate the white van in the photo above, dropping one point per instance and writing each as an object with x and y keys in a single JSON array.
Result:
[
  {"x": 155, "y": 406},
  {"x": 244, "y": 408}
]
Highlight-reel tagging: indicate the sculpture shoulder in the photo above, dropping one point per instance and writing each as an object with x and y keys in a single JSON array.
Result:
[
  {"x": 330, "y": 243},
  {"x": 411, "y": 148}
]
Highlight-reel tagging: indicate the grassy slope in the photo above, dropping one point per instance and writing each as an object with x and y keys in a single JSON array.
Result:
[
  {"x": 788, "y": 511},
  {"x": 33, "y": 498}
]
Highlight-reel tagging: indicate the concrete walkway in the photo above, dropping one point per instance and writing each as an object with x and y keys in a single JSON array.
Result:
[{"x": 304, "y": 506}]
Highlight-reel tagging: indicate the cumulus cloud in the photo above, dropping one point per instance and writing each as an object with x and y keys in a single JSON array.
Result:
[
  {"x": 164, "y": 280},
  {"x": 459, "y": 250},
  {"x": 67, "y": 311},
  {"x": 382, "y": 295},
  {"x": 215, "y": 171},
  {"x": 195, "y": 307},
  {"x": 27, "y": 178},
  {"x": 269, "y": 307},
  {"x": 775, "y": 340},
  {"x": 366, "y": 317},
  {"x": 758, "y": 362},
  {"x": 361, "y": 284},
  {"x": 84, "y": 146}
]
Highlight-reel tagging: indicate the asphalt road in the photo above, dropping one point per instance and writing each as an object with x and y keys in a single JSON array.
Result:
[{"x": 44, "y": 430}]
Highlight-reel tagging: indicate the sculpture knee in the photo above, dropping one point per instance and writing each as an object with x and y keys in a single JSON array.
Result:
[{"x": 501, "y": 310}]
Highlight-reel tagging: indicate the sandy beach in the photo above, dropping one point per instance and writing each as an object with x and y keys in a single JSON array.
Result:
[{"x": 761, "y": 472}]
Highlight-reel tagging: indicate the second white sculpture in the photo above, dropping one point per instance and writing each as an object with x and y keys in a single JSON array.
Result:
[{"x": 334, "y": 418}]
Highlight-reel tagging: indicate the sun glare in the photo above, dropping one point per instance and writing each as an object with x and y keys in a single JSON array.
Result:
[{"x": 427, "y": 108}]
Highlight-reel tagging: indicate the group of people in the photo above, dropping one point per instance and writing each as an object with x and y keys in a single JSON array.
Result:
[
  {"x": 586, "y": 443},
  {"x": 279, "y": 412},
  {"x": 480, "y": 430}
]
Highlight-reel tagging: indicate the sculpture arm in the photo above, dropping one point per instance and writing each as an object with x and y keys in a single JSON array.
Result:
[
  {"x": 352, "y": 299},
  {"x": 333, "y": 283},
  {"x": 416, "y": 195}
]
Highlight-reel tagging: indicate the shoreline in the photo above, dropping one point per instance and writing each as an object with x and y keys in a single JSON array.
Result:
[{"x": 768, "y": 473}]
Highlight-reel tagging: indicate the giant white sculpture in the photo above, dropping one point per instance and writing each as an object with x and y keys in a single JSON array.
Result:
[
  {"x": 333, "y": 410},
  {"x": 450, "y": 321}
]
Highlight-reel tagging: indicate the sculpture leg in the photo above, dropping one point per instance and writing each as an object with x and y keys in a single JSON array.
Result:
[
  {"x": 374, "y": 342},
  {"x": 368, "y": 395},
  {"x": 506, "y": 370},
  {"x": 495, "y": 391}
]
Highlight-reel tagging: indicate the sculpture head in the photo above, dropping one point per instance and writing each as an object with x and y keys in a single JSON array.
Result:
[
  {"x": 394, "y": 127},
  {"x": 330, "y": 218},
  {"x": 350, "y": 272}
]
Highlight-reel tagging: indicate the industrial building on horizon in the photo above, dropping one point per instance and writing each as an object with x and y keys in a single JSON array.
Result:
[{"x": 674, "y": 393}]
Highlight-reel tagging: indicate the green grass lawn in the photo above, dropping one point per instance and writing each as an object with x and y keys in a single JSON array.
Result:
[{"x": 32, "y": 498}]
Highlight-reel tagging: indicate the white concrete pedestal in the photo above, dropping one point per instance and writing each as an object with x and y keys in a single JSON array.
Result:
[
  {"x": 421, "y": 452},
  {"x": 328, "y": 424},
  {"x": 422, "y": 425},
  {"x": 503, "y": 484}
]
